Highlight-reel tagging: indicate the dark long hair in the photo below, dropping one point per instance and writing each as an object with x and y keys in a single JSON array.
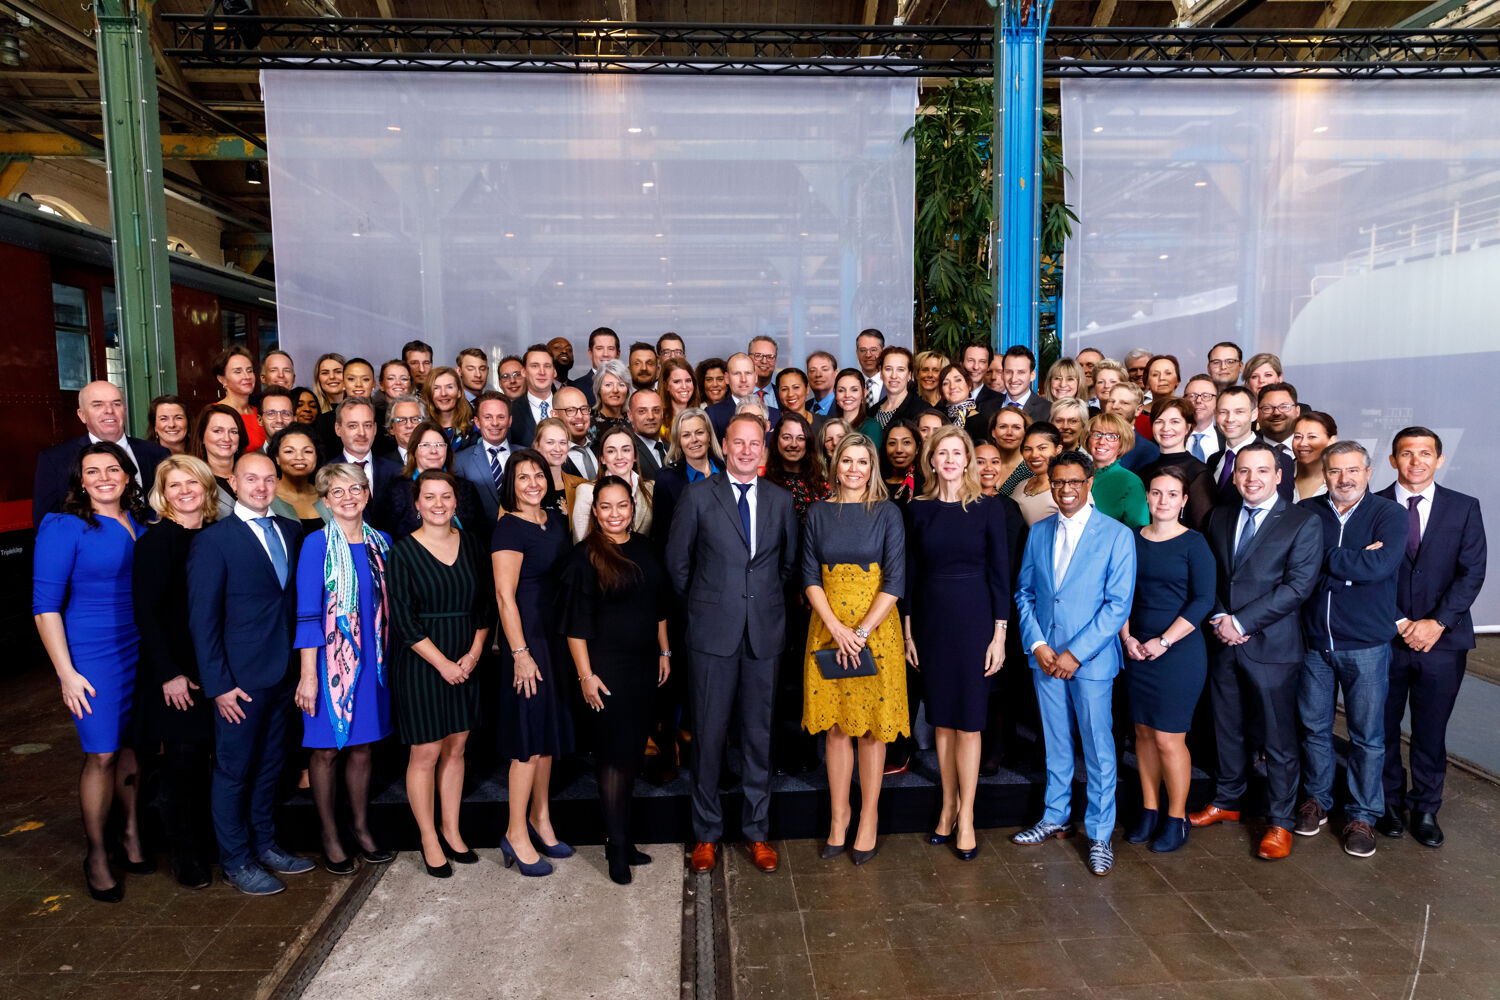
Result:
[
  {"x": 157, "y": 404},
  {"x": 810, "y": 469},
  {"x": 200, "y": 425},
  {"x": 616, "y": 571},
  {"x": 864, "y": 402},
  {"x": 410, "y": 468},
  {"x": 77, "y": 501},
  {"x": 518, "y": 458}
]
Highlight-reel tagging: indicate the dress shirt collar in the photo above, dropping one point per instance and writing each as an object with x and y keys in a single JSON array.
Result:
[
  {"x": 356, "y": 461},
  {"x": 1078, "y": 520},
  {"x": 1264, "y": 505},
  {"x": 502, "y": 446},
  {"x": 743, "y": 482},
  {"x": 1403, "y": 494},
  {"x": 246, "y": 514},
  {"x": 1020, "y": 401}
]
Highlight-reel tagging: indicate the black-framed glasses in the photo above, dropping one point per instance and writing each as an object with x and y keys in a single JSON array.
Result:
[{"x": 1072, "y": 484}]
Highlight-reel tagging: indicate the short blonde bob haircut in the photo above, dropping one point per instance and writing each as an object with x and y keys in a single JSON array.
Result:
[
  {"x": 875, "y": 490},
  {"x": 1109, "y": 423},
  {"x": 195, "y": 467}
]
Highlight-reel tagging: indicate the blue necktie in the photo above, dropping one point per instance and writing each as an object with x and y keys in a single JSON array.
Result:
[
  {"x": 1247, "y": 534},
  {"x": 273, "y": 543},
  {"x": 1197, "y": 448},
  {"x": 545, "y": 408},
  {"x": 744, "y": 489},
  {"x": 497, "y": 472}
]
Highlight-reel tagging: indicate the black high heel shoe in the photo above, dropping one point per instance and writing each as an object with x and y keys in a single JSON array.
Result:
[
  {"x": 458, "y": 857},
  {"x": 633, "y": 855},
  {"x": 113, "y": 894},
  {"x": 122, "y": 860},
  {"x": 619, "y": 867},
  {"x": 444, "y": 870}
]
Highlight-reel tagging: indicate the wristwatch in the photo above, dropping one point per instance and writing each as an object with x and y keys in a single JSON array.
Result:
[
  {"x": 861, "y": 631},
  {"x": 1165, "y": 643}
]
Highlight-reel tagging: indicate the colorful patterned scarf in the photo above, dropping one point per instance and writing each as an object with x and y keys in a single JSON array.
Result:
[{"x": 341, "y": 623}]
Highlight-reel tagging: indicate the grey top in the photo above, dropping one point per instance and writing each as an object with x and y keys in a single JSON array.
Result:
[{"x": 850, "y": 534}]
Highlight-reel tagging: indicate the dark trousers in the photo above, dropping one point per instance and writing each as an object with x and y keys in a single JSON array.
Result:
[
  {"x": 1430, "y": 682},
  {"x": 183, "y": 794},
  {"x": 1249, "y": 697},
  {"x": 718, "y": 682},
  {"x": 248, "y": 757}
]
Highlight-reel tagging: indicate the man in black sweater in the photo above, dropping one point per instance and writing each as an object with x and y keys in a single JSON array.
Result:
[{"x": 1348, "y": 625}]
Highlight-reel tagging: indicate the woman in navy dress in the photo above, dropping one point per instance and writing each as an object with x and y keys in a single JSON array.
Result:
[
  {"x": 171, "y": 710},
  {"x": 82, "y": 605},
  {"x": 1174, "y": 592},
  {"x": 342, "y": 621},
  {"x": 526, "y": 552},
  {"x": 958, "y": 582},
  {"x": 442, "y": 610}
]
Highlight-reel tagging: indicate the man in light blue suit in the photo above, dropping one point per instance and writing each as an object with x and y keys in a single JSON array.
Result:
[{"x": 1074, "y": 594}]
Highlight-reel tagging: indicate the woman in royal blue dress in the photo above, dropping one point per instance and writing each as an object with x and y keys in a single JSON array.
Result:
[
  {"x": 81, "y": 599},
  {"x": 342, "y": 626}
]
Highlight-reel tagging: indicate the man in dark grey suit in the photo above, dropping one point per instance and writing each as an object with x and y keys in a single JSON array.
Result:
[
  {"x": 101, "y": 410},
  {"x": 1269, "y": 554},
  {"x": 733, "y": 542}
]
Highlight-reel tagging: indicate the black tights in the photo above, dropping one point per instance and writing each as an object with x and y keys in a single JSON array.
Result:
[
  {"x": 322, "y": 769},
  {"x": 616, "y": 783},
  {"x": 183, "y": 798}
]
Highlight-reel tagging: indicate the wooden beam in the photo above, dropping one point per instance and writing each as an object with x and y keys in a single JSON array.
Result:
[
  {"x": 1205, "y": 13},
  {"x": 11, "y": 174},
  {"x": 1333, "y": 15},
  {"x": 1104, "y": 14}
]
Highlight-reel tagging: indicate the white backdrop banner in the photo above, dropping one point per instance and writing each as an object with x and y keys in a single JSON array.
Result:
[
  {"x": 498, "y": 210},
  {"x": 1350, "y": 227}
]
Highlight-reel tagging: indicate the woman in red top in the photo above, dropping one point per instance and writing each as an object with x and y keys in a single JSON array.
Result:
[{"x": 235, "y": 369}]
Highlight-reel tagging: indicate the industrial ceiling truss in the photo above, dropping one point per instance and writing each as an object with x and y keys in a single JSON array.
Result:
[{"x": 213, "y": 40}]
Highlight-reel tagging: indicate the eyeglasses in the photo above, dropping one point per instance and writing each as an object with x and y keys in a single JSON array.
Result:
[
  {"x": 435, "y": 445},
  {"x": 1279, "y": 408},
  {"x": 407, "y": 420},
  {"x": 570, "y": 411},
  {"x": 1198, "y": 397},
  {"x": 506, "y": 375},
  {"x": 339, "y": 492},
  {"x": 1068, "y": 484},
  {"x": 274, "y": 413},
  {"x": 1222, "y": 363},
  {"x": 1104, "y": 436},
  {"x": 762, "y": 357}
]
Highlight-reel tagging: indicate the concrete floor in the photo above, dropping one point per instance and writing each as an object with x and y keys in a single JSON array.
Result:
[
  {"x": 490, "y": 933},
  {"x": 1208, "y": 921}
]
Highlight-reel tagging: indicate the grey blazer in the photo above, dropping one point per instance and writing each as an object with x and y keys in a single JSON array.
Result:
[
  {"x": 1266, "y": 587},
  {"x": 729, "y": 594}
]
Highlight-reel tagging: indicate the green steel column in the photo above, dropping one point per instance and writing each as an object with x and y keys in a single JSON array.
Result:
[{"x": 137, "y": 204}]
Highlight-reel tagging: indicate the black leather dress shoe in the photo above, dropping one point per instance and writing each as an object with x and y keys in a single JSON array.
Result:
[
  {"x": 1390, "y": 825},
  {"x": 1425, "y": 829}
]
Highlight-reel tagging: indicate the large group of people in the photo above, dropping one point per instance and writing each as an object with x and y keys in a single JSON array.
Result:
[{"x": 657, "y": 560}]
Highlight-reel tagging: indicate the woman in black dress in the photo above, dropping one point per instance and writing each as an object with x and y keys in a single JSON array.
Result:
[
  {"x": 898, "y": 462},
  {"x": 1174, "y": 592},
  {"x": 1170, "y": 429},
  {"x": 442, "y": 610},
  {"x": 170, "y": 714},
  {"x": 958, "y": 586},
  {"x": 526, "y": 554},
  {"x": 615, "y": 618}
]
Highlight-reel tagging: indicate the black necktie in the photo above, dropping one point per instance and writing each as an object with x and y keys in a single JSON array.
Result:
[
  {"x": 744, "y": 489},
  {"x": 1413, "y": 527}
]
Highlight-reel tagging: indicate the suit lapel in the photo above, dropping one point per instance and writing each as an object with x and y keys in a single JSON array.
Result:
[
  {"x": 1435, "y": 517},
  {"x": 1247, "y": 546},
  {"x": 1077, "y": 560},
  {"x": 727, "y": 499},
  {"x": 251, "y": 537}
]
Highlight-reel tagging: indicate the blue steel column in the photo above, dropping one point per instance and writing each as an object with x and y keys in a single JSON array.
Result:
[{"x": 1020, "y": 27}]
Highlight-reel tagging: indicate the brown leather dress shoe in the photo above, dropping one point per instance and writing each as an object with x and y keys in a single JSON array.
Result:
[
  {"x": 1209, "y": 815},
  {"x": 1276, "y": 844},
  {"x": 763, "y": 854},
  {"x": 703, "y": 856}
]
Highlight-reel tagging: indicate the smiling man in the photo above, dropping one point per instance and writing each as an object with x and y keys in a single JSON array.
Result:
[{"x": 101, "y": 410}]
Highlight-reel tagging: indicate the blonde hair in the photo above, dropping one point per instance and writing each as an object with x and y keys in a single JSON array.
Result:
[
  {"x": 925, "y": 356},
  {"x": 1063, "y": 366},
  {"x": 674, "y": 452},
  {"x": 547, "y": 423},
  {"x": 195, "y": 467},
  {"x": 339, "y": 472},
  {"x": 1109, "y": 423},
  {"x": 875, "y": 490},
  {"x": 463, "y": 414},
  {"x": 968, "y": 486}
]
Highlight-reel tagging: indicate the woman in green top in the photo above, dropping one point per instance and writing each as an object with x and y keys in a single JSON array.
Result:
[
  {"x": 1118, "y": 492},
  {"x": 849, "y": 403}
]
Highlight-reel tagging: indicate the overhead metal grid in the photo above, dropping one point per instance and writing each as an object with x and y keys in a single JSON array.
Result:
[{"x": 214, "y": 40}]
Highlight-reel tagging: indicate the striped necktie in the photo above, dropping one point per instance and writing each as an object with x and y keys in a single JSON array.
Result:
[{"x": 497, "y": 471}]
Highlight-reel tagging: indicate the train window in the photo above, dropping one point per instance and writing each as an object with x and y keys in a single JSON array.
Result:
[
  {"x": 114, "y": 352},
  {"x": 70, "y": 318},
  {"x": 270, "y": 339},
  {"x": 236, "y": 327}
]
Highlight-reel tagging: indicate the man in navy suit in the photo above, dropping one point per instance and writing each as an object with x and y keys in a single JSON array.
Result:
[
  {"x": 1234, "y": 414},
  {"x": 535, "y": 404},
  {"x": 1441, "y": 572},
  {"x": 1269, "y": 553},
  {"x": 604, "y": 345},
  {"x": 354, "y": 427},
  {"x": 242, "y": 602},
  {"x": 1074, "y": 593},
  {"x": 484, "y": 464},
  {"x": 740, "y": 371},
  {"x": 101, "y": 409}
]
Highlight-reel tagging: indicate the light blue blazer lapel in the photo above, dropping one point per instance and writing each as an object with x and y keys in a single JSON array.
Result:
[{"x": 1082, "y": 570}]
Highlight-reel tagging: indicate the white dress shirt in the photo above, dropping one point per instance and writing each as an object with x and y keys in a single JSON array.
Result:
[
  {"x": 367, "y": 464},
  {"x": 1229, "y": 446},
  {"x": 1424, "y": 509},
  {"x": 124, "y": 445},
  {"x": 249, "y": 517},
  {"x": 536, "y": 407},
  {"x": 584, "y": 460},
  {"x": 1260, "y": 524},
  {"x": 1018, "y": 401},
  {"x": 1284, "y": 447},
  {"x": 499, "y": 452},
  {"x": 750, "y": 501}
]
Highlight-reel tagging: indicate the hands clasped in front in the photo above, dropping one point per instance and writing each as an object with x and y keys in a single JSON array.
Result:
[{"x": 1061, "y": 665}]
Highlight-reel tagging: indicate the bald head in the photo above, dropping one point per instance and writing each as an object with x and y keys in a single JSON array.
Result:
[
  {"x": 573, "y": 406},
  {"x": 254, "y": 481},
  {"x": 101, "y": 408}
]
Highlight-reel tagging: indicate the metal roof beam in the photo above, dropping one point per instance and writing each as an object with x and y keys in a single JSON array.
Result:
[{"x": 1454, "y": 14}]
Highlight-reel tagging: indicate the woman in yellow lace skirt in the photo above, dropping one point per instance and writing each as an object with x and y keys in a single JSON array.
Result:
[{"x": 854, "y": 569}]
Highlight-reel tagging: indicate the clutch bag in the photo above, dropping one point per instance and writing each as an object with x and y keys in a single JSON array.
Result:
[{"x": 832, "y": 670}]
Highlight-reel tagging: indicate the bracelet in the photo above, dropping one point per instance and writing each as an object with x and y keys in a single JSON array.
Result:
[
  {"x": 584, "y": 678},
  {"x": 861, "y": 631},
  {"x": 667, "y": 653},
  {"x": 519, "y": 650}
]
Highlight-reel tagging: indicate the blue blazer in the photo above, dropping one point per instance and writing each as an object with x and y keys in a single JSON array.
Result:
[
  {"x": 720, "y": 413},
  {"x": 1083, "y": 616},
  {"x": 241, "y": 618},
  {"x": 54, "y": 464},
  {"x": 473, "y": 464},
  {"x": 1449, "y": 569}
]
